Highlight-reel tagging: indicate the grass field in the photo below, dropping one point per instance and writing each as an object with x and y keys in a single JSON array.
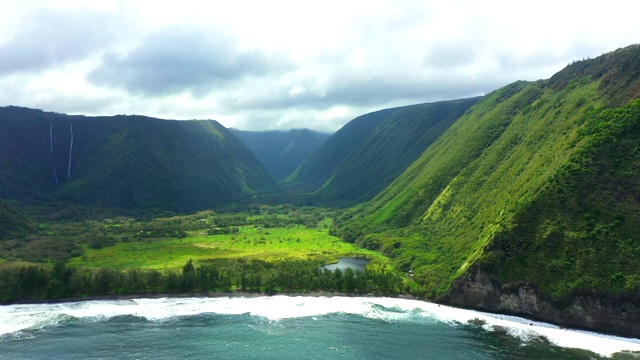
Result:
[{"x": 294, "y": 242}]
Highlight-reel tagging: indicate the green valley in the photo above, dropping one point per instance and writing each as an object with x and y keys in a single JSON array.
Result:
[
  {"x": 281, "y": 243},
  {"x": 524, "y": 201},
  {"x": 281, "y": 152}
]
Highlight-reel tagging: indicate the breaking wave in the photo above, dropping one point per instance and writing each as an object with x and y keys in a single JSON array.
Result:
[{"x": 17, "y": 318}]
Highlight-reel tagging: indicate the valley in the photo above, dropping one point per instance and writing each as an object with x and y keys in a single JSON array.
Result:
[
  {"x": 524, "y": 201},
  {"x": 280, "y": 249}
]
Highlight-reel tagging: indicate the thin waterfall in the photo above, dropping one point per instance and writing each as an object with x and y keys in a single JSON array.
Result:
[
  {"x": 55, "y": 175},
  {"x": 70, "y": 150},
  {"x": 53, "y": 160},
  {"x": 51, "y": 137}
]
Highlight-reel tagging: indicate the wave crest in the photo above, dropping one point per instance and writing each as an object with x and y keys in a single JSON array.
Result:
[{"x": 17, "y": 318}]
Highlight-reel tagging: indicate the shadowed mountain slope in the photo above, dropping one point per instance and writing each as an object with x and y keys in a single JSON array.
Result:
[
  {"x": 368, "y": 153},
  {"x": 281, "y": 151},
  {"x": 124, "y": 161}
]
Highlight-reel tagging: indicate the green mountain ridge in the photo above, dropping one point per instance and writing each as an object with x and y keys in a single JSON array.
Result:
[
  {"x": 368, "y": 153},
  {"x": 125, "y": 161},
  {"x": 537, "y": 182},
  {"x": 281, "y": 152}
]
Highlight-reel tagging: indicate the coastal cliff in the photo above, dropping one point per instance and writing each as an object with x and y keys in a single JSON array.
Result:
[
  {"x": 591, "y": 311},
  {"x": 529, "y": 204}
]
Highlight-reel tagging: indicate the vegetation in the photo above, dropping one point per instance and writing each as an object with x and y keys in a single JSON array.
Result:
[
  {"x": 265, "y": 248},
  {"x": 537, "y": 182},
  {"x": 36, "y": 282},
  {"x": 581, "y": 232},
  {"x": 130, "y": 162},
  {"x": 281, "y": 151},
  {"x": 12, "y": 223},
  {"x": 368, "y": 153}
]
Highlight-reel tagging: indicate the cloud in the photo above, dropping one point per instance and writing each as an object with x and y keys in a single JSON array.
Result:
[
  {"x": 176, "y": 60},
  {"x": 283, "y": 63},
  {"x": 49, "y": 38}
]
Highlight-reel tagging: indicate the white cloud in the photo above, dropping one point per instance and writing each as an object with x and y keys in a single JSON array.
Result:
[
  {"x": 288, "y": 64},
  {"x": 297, "y": 90}
]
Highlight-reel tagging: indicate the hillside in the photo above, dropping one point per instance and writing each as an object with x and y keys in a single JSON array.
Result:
[
  {"x": 124, "y": 161},
  {"x": 536, "y": 184},
  {"x": 281, "y": 152},
  {"x": 12, "y": 223},
  {"x": 369, "y": 152}
]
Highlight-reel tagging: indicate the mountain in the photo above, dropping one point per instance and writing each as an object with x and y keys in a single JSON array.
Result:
[
  {"x": 370, "y": 151},
  {"x": 124, "y": 161},
  {"x": 281, "y": 151},
  {"x": 528, "y": 204},
  {"x": 13, "y": 223}
]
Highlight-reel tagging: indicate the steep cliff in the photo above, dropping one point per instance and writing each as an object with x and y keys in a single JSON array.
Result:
[
  {"x": 590, "y": 310},
  {"x": 125, "y": 161},
  {"x": 537, "y": 185}
]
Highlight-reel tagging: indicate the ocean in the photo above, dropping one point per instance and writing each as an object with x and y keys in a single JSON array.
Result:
[{"x": 287, "y": 327}]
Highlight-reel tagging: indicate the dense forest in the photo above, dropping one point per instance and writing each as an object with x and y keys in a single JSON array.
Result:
[{"x": 62, "y": 281}]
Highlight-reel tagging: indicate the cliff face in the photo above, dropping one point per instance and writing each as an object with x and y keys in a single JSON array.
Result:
[
  {"x": 538, "y": 186},
  {"x": 591, "y": 311},
  {"x": 136, "y": 162}
]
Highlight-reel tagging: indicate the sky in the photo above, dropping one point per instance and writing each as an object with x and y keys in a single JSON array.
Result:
[{"x": 277, "y": 65}]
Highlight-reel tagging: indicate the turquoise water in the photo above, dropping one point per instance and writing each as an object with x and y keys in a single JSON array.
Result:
[{"x": 284, "y": 327}]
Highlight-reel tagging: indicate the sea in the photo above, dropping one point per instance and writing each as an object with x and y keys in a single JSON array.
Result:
[{"x": 288, "y": 327}]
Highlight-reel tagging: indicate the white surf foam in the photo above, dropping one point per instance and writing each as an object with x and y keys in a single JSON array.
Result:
[{"x": 15, "y": 318}]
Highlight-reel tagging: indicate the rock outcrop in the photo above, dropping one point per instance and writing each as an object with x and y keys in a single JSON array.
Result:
[{"x": 591, "y": 311}]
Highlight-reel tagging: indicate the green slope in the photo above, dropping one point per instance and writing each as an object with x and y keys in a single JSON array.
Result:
[
  {"x": 12, "y": 223},
  {"x": 26, "y": 162},
  {"x": 581, "y": 231},
  {"x": 317, "y": 169},
  {"x": 393, "y": 140},
  {"x": 125, "y": 161},
  {"x": 281, "y": 152},
  {"x": 494, "y": 164}
]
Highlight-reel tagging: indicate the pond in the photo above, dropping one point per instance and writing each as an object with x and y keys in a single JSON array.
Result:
[{"x": 353, "y": 263}]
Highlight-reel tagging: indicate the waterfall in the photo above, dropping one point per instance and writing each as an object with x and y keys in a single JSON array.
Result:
[
  {"x": 55, "y": 175},
  {"x": 51, "y": 137},
  {"x": 53, "y": 160},
  {"x": 70, "y": 150}
]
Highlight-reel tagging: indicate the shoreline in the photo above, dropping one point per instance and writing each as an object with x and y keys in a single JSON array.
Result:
[
  {"x": 208, "y": 294},
  {"x": 316, "y": 294},
  {"x": 515, "y": 322}
]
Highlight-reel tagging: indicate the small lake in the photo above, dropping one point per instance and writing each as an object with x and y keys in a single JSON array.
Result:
[{"x": 353, "y": 263}]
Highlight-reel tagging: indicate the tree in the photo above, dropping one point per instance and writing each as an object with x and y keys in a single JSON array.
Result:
[
  {"x": 188, "y": 276},
  {"x": 349, "y": 280}
]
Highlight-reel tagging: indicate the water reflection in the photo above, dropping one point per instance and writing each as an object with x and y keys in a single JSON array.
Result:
[{"x": 353, "y": 263}]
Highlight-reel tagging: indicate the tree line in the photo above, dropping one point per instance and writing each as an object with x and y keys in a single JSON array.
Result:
[{"x": 219, "y": 275}]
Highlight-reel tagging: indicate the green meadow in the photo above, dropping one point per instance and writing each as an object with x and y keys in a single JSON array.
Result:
[
  {"x": 259, "y": 248},
  {"x": 295, "y": 242}
]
